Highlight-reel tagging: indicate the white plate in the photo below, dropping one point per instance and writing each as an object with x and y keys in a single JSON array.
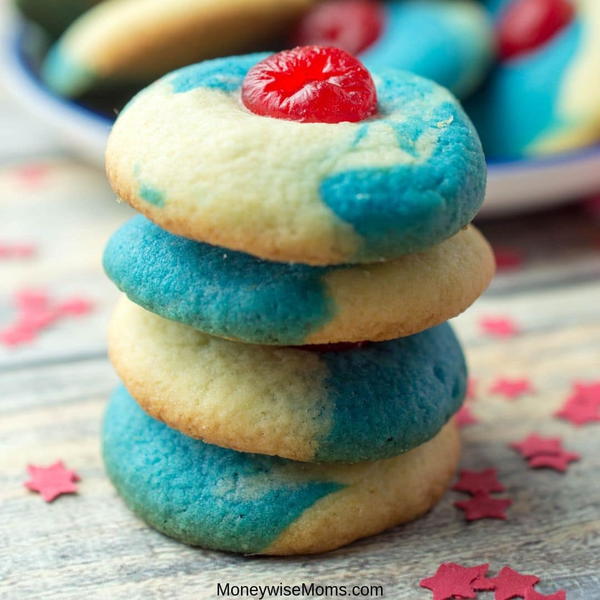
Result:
[{"x": 513, "y": 186}]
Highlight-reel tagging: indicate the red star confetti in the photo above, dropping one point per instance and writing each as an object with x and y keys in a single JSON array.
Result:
[
  {"x": 453, "y": 580},
  {"x": 30, "y": 300},
  {"x": 478, "y": 482},
  {"x": 588, "y": 390},
  {"x": 511, "y": 388},
  {"x": 51, "y": 481},
  {"x": 558, "y": 462},
  {"x": 36, "y": 311},
  {"x": 483, "y": 584},
  {"x": 10, "y": 251},
  {"x": 502, "y": 327},
  {"x": 510, "y": 584},
  {"x": 535, "y": 445},
  {"x": 464, "y": 417},
  {"x": 75, "y": 306},
  {"x": 471, "y": 389},
  {"x": 15, "y": 335},
  {"x": 508, "y": 259},
  {"x": 32, "y": 175},
  {"x": 580, "y": 409},
  {"x": 532, "y": 594},
  {"x": 483, "y": 506}
]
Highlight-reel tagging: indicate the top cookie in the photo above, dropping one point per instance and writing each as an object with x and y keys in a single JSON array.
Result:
[{"x": 192, "y": 158}]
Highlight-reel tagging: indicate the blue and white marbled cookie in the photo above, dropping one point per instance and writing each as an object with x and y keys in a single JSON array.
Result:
[
  {"x": 53, "y": 16},
  {"x": 221, "y": 499},
  {"x": 189, "y": 156},
  {"x": 133, "y": 42},
  {"x": 237, "y": 296},
  {"x": 364, "y": 403},
  {"x": 449, "y": 42},
  {"x": 547, "y": 100}
]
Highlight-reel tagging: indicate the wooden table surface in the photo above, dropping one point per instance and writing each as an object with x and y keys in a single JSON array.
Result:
[{"x": 88, "y": 545}]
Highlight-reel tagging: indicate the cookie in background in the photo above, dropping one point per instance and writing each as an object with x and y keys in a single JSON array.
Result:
[
  {"x": 543, "y": 96},
  {"x": 451, "y": 43},
  {"x": 53, "y": 16},
  {"x": 132, "y": 42}
]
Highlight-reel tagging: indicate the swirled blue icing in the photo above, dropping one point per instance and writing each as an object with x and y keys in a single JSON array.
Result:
[{"x": 198, "y": 493}]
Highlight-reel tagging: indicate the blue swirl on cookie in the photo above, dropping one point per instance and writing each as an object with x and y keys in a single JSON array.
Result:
[
  {"x": 315, "y": 193},
  {"x": 226, "y": 500},
  {"x": 198, "y": 493},
  {"x": 216, "y": 290},
  {"x": 364, "y": 403},
  {"x": 449, "y": 42},
  {"x": 415, "y": 384},
  {"x": 238, "y": 296}
]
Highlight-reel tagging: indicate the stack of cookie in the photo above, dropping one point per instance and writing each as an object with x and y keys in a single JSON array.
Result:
[{"x": 289, "y": 378}]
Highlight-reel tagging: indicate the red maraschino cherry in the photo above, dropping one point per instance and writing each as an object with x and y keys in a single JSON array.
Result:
[
  {"x": 352, "y": 25},
  {"x": 528, "y": 24},
  {"x": 312, "y": 84}
]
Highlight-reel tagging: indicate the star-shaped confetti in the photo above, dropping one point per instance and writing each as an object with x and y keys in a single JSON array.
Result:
[
  {"x": 483, "y": 506},
  {"x": 464, "y": 417},
  {"x": 471, "y": 389},
  {"x": 15, "y": 335},
  {"x": 590, "y": 390},
  {"x": 36, "y": 311},
  {"x": 532, "y": 594},
  {"x": 453, "y": 580},
  {"x": 18, "y": 251},
  {"x": 51, "y": 481},
  {"x": 510, "y": 584},
  {"x": 580, "y": 409},
  {"x": 511, "y": 388},
  {"x": 32, "y": 175},
  {"x": 503, "y": 327},
  {"x": 476, "y": 482},
  {"x": 558, "y": 462},
  {"x": 535, "y": 445},
  {"x": 28, "y": 299},
  {"x": 545, "y": 452},
  {"x": 75, "y": 306},
  {"x": 508, "y": 259}
]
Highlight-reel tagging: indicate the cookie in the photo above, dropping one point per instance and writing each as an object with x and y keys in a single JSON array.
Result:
[
  {"x": 53, "y": 16},
  {"x": 208, "y": 496},
  {"x": 135, "y": 41},
  {"x": 237, "y": 296},
  {"x": 544, "y": 99},
  {"x": 363, "y": 403},
  {"x": 188, "y": 155},
  {"x": 449, "y": 42}
]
